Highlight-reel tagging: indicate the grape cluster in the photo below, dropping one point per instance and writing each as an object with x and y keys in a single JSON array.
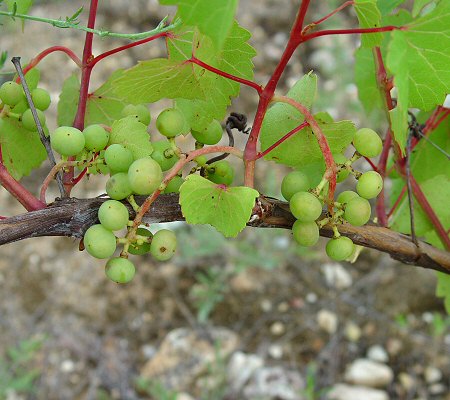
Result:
[
  {"x": 306, "y": 203},
  {"x": 13, "y": 97}
]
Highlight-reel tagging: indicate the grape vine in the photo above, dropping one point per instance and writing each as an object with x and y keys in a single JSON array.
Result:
[{"x": 109, "y": 132}]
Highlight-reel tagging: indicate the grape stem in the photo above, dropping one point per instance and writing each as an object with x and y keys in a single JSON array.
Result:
[{"x": 331, "y": 169}]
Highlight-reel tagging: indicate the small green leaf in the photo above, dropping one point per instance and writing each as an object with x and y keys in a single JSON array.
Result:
[
  {"x": 369, "y": 17},
  {"x": 22, "y": 150},
  {"x": 228, "y": 209},
  {"x": 68, "y": 101},
  {"x": 214, "y": 18},
  {"x": 443, "y": 289},
  {"x": 133, "y": 135}
]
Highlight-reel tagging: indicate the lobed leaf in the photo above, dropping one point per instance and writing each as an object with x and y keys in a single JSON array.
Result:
[
  {"x": 228, "y": 209},
  {"x": 369, "y": 16}
]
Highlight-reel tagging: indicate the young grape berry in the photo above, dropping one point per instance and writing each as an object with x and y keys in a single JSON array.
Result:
[
  {"x": 113, "y": 215},
  {"x": 369, "y": 185},
  {"x": 170, "y": 122},
  {"x": 120, "y": 270},
  {"x": 367, "y": 143},
  {"x": 221, "y": 172},
  {"x": 145, "y": 176},
  {"x": 340, "y": 248},
  {"x": 96, "y": 137},
  {"x": 305, "y": 206},
  {"x": 305, "y": 233},
  {"x": 163, "y": 245},
  {"x": 293, "y": 182},
  {"x": 357, "y": 211},
  {"x": 11, "y": 93},
  {"x": 118, "y": 187},
  {"x": 210, "y": 135},
  {"x": 67, "y": 141},
  {"x": 99, "y": 241}
]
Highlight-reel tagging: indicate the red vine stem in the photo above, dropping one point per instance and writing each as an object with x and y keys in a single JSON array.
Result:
[
  {"x": 246, "y": 82},
  {"x": 36, "y": 60},
  {"x": 331, "y": 169},
  {"x": 283, "y": 139},
  {"x": 426, "y": 206},
  {"x": 174, "y": 171},
  {"x": 397, "y": 202},
  {"x": 327, "y": 32},
  {"x": 340, "y": 8}
]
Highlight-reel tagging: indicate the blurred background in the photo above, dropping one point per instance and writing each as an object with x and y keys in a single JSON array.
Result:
[{"x": 255, "y": 317}]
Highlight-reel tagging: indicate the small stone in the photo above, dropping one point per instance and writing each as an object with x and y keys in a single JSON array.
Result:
[
  {"x": 368, "y": 373},
  {"x": 277, "y": 328},
  {"x": 437, "y": 388},
  {"x": 311, "y": 297},
  {"x": 283, "y": 307},
  {"x": 328, "y": 321},
  {"x": 67, "y": 366},
  {"x": 432, "y": 374},
  {"x": 337, "y": 276},
  {"x": 394, "y": 346},
  {"x": 266, "y": 305},
  {"x": 240, "y": 368},
  {"x": 275, "y": 351},
  {"x": 184, "y": 396},
  {"x": 377, "y": 353},
  {"x": 352, "y": 332},
  {"x": 341, "y": 391},
  {"x": 406, "y": 380}
]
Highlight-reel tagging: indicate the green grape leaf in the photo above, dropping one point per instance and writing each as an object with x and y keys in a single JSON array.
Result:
[
  {"x": 234, "y": 58},
  {"x": 302, "y": 148},
  {"x": 133, "y": 135},
  {"x": 437, "y": 192},
  {"x": 228, "y": 209},
  {"x": 369, "y": 17},
  {"x": 419, "y": 5},
  {"x": 365, "y": 78},
  {"x": 22, "y": 149},
  {"x": 103, "y": 106},
  {"x": 153, "y": 80},
  {"x": 387, "y": 6},
  {"x": 68, "y": 101},
  {"x": 213, "y": 18},
  {"x": 418, "y": 58},
  {"x": 443, "y": 289}
]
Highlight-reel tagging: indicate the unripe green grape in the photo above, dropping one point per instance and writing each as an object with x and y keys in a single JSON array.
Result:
[
  {"x": 201, "y": 160},
  {"x": 99, "y": 241},
  {"x": 113, "y": 215},
  {"x": 28, "y": 119},
  {"x": 305, "y": 206},
  {"x": 174, "y": 185},
  {"x": 120, "y": 270},
  {"x": 67, "y": 141},
  {"x": 340, "y": 248},
  {"x": 21, "y": 106},
  {"x": 140, "y": 111},
  {"x": 140, "y": 249},
  {"x": 305, "y": 233},
  {"x": 162, "y": 148},
  {"x": 221, "y": 172},
  {"x": 96, "y": 137},
  {"x": 170, "y": 122},
  {"x": 163, "y": 245},
  {"x": 357, "y": 211},
  {"x": 294, "y": 182},
  {"x": 369, "y": 185},
  {"x": 342, "y": 174},
  {"x": 209, "y": 135},
  {"x": 145, "y": 176},
  {"x": 41, "y": 99},
  {"x": 367, "y": 142},
  {"x": 118, "y": 158},
  {"x": 118, "y": 187},
  {"x": 11, "y": 93},
  {"x": 346, "y": 196}
]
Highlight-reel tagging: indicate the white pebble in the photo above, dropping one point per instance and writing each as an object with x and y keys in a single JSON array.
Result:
[{"x": 328, "y": 321}]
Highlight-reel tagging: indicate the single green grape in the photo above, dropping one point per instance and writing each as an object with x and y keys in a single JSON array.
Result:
[
  {"x": 41, "y": 99},
  {"x": 170, "y": 122},
  {"x": 369, "y": 185},
  {"x": 99, "y": 241},
  {"x": 113, "y": 215},
  {"x": 20, "y": 107},
  {"x": 221, "y": 172},
  {"x": 342, "y": 174},
  {"x": 67, "y": 141},
  {"x": 28, "y": 119},
  {"x": 163, "y": 154},
  {"x": 140, "y": 111},
  {"x": 340, "y": 248},
  {"x": 305, "y": 206},
  {"x": 96, "y": 137},
  {"x": 140, "y": 249},
  {"x": 367, "y": 142},
  {"x": 163, "y": 245},
  {"x": 201, "y": 160},
  {"x": 120, "y": 270},
  {"x": 118, "y": 187},
  {"x": 293, "y": 182},
  {"x": 305, "y": 233},
  {"x": 210, "y": 135},
  {"x": 174, "y": 185},
  {"x": 357, "y": 211},
  {"x": 145, "y": 176},
  {"x": 118, "y": 158},
  {"x": 346, "y": 196},
  {"x": 11, "y": 93}
]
